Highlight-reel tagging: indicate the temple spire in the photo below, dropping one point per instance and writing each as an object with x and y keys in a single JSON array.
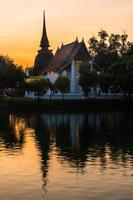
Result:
[
  {"x": 83, "y": 40},
  {"x": 76, "y": 39},
  {"x": 44, "y": 41}
]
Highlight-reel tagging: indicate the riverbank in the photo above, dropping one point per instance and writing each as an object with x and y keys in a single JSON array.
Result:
[{"x": 22, "y": 104}]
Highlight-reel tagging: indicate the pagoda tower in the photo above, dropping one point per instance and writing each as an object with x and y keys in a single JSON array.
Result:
[{"x": 44, "y": 55}]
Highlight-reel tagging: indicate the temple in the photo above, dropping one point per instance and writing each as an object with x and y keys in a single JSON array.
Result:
[
  {"x": 66, "y": 61},
  {"x": 44, "y": 55}
]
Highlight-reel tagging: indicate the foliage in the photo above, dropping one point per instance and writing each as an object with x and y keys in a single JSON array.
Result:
[
  {"x": 62, "y": 84},
  {"x": 38, "y": 86},
  {"x": 128, "y": 83},
  {"x": 105, "y": 81},
  {"x": 107, "y": 49},
  {"x": 87, "y": 78},
  {"x": 11, "y": 75},
  {"x": 122, "y": 74},
  {"x": 130, "y": 49}
]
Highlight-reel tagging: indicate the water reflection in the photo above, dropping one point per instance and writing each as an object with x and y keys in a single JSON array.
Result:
[
  {"x": 12, "y": 131},
  {"x": 78, "y": 137},
  {"x": 75, "y": 136},
  {"x": 42, "y": 136},
  {"x": 78, "y": 140}
]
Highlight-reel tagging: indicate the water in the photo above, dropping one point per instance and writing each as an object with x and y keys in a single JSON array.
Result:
[{"x": 62, "y": 156}]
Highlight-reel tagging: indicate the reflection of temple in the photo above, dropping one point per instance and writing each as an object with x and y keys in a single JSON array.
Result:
[
  {"x": 77, "y": 140},
  {"x": 73, "y": 134},
  {"x": 94, "y": 135}
]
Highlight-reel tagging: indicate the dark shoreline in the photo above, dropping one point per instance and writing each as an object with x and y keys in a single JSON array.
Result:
[{"x": 22, "y": 104}]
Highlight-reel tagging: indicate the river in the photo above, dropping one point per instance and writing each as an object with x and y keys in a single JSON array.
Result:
[{"x": 61, "y": 156}]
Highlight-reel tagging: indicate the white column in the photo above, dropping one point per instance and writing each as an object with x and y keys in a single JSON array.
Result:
[{"x": 73, "y": 78}]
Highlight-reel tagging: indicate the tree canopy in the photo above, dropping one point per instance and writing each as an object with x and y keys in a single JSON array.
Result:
[
  {"x": 87, "y": 78},
  {"x": 108, "y": 48},
  {"x": 62, "y": 84},
  {"x": 11, "y": 75},
  {"x": 38, "y": 86}
]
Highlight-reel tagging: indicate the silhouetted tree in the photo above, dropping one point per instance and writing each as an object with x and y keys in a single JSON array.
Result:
[
  {"x": 38, "y": 86},
  {"x": 62, "y": 84},
  {"x": 105, "y": 82},
  {"x": 107, "y": 49},
  {"x": 122, "y": 72},
  {"x": 11, "y": 75},
  {"x": 87, "y": 79}
]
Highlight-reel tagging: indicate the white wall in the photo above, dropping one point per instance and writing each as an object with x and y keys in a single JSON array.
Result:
[{"x": 52, "y": 76}]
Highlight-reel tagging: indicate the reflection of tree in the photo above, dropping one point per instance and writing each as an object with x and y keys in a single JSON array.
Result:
[
  {"x": 68, "y": 142},
  {"x": 102, "y": 136},
  {"x": 110, "y": 140},
  {"x": 42, "y": 136},
  {"x": 12, "y": 131},
  {"x": 80, "y": 139}
]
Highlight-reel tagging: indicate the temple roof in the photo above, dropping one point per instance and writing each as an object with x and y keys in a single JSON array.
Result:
[
  {"x": 64, "y": 56},
  {"x": 44, "y": 55},
  {"x": 44, "y": 40}
]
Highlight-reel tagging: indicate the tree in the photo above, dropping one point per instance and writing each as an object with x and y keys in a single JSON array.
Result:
[
  {"x": 52, "y": 88},
  {"x": 11, "y": 75},
  {"x": 62, "y": 84},
  {"x": 107, "y": 49},
  {"x": 128, "y": 83},
  {"x": 129, "y": 51},
  {"x": 87, "y": 79},
  {"x": 122, "y": 74},
  {"x": 124, "y": 44},
  {"x": 105, "y": 81},
  {"x": 38, "y": 86}
]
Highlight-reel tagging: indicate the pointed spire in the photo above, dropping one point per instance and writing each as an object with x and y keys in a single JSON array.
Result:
[
  {"x": 83, "y": 40},
  {"x": 44, "y": 41},
  {"x": 62, "y": 44},
  {"x": 76, "y": 39}
]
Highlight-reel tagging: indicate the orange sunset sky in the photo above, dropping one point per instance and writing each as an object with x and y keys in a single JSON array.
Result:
[{"x": 21, "y": 23}]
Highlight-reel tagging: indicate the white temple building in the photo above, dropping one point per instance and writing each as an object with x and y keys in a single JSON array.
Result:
[{"x": 66, "y": 61}]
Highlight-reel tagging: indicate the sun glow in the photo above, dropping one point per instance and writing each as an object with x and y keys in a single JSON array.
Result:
[{"x": 21, "y": 23}]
